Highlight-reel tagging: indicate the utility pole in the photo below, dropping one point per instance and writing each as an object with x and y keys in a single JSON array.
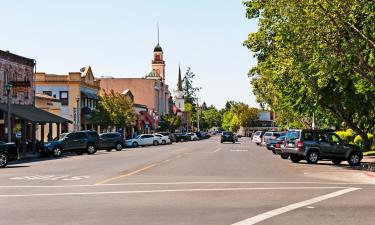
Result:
[{"x": 198, "y": 129}]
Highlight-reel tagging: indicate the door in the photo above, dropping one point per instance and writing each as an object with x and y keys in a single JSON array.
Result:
[
  {"x": 337, "y": 150},
  {"x": 104, "y": 142},
  {"x": 325, "y": 145},
  {"x": 80, "y": 141},
  {"x": 68, "y": 142}
]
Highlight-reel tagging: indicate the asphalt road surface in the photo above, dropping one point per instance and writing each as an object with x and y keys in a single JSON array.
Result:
[{"x": 198, "y": 183}]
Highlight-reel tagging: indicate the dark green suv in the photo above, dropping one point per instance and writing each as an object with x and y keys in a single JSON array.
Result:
[
  {"x": 315, "y": 145},
  {"x": 78, "y": 142}
]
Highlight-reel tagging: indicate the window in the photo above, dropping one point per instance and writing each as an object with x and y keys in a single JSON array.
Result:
[
  {"x": 334, "y": 139},
  {"x": 64, "y": 97},
  {"x": 308, "y": 136},
  {"x": 47, "y": 93},
  {"x": 80, "y": 135},
  {"x": 323, "y": 138}
]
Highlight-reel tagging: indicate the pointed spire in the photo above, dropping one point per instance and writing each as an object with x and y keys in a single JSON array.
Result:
[
  {"x": 158, "y": 32},
  {"x": 179, "y": 84}
]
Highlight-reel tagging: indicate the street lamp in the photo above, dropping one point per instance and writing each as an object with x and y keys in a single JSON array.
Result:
[
  {"x": 77, "y": 113},
  {"x": 8, "y": 88}
]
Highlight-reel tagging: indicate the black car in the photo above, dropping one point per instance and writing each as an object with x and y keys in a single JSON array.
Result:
[
  {"x": 109, "y": 141},
  {"x": 8, "y": 152},
  {"x": 181, "y": 137},
  {"x": 228, "y": 137},
  {"x": 78, "y": 142}
]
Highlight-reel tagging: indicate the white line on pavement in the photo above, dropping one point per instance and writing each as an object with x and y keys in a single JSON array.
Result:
[
  {"x": 176, "y": 183},
  {"x": 275, "y": 212},
  {"x": 218, "y": 149},
  {"x": 168, "y": 190}
]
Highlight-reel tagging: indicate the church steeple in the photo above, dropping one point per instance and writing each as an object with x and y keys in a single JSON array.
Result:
[
  {"x": 158, "y": 63},
  {"x": 179, "y": 84}
]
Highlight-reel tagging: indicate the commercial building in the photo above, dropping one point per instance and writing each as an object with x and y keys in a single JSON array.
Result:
[{"x": 77, "y": 92}]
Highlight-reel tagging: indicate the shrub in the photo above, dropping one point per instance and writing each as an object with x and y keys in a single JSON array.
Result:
[
  {"x": 347, "y": 136},
  {"x": 358, "y": 139}
]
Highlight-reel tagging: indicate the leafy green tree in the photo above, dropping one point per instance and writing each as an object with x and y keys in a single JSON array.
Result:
[
  {"x": 171, "y": 121},
  {"x": 211, "y": 117},
  {"x": 230, "y": 121},
  {"x": 316, "y": 57},
  {"x": 114, "y": 109},
  {"x": 189, "y": 90}
]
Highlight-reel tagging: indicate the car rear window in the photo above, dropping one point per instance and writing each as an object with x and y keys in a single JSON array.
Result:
[
  {"x": 268, "y": 134},
  {"x": 293, "y": 135}
]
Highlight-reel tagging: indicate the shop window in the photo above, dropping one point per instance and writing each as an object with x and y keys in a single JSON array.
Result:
[{"x": 64, "y": 97}]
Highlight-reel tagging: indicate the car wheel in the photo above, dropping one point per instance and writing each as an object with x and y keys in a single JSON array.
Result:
[
  {"x": 284, "y": 156},
  {"x": 156, "y": 143},
  {"x": 221, "y": 142},
  {"x": 108, "y": 150},
  {"x": 336, "y": 161},
  {"x": 354, "y": 159},
  {"x": 295, "y": 158},
  {"x": 119, "y": 147},
  {"x": 135, "y": 145},
  {"x": 57, "y": 152},
  {"x": 163, "y": 142},
  {"x": 312, "y": 157},
  {"x": 91, "y": 149},
  {"x": 273, "y": 151},
  {"x": 3, "y": 160},
  {"x": 234, "y": 142}
]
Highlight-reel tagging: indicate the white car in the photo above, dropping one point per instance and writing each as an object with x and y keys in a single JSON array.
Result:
[
  {"x": 142, "y": 140},
  {"x": 163, "y": 140},
  {"x": 258, "y": 137},
  {"x": 193, "y": 136}
]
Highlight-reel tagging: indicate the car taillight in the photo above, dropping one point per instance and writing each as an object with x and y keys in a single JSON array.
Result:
[
  {"x": 277, "y": 145},
  {"x": 300, "y": 144}
]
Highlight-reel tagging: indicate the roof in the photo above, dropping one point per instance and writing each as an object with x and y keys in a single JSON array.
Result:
[
  {"x": 158, "y": 48},
  {"x": 33, "y": 114},
  {"x": 152, "y": 74},
  {"x": 179, "y": 84},
  {"x": 44, "y": 96},
  {"x": 16, "y": 58}
]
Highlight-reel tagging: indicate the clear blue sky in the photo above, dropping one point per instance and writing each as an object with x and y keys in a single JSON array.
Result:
[{"x": 117, "y": 39}]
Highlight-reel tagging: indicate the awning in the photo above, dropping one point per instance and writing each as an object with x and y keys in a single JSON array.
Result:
[
  {"x": 90, "y": 95},
  {"x": 33, "y": 114},
  {"x": 147, "y": 117}
]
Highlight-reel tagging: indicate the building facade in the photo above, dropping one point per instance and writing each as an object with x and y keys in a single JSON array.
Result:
[
  {"x": 77, "y": 92},
  {"x": 150, "y": 91}
]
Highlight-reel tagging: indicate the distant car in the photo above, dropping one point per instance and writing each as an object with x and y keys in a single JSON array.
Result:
[
  {"x": 109, "y": 141},
  {"x": 258, "y": 137},
  {"x": 142, "y": 140},
  {"x": 78, "y": 142},
  {"x": 227, "y": 137},
  {"x": 193, "y": 136},
  {"x": 181, "y": 137},
  {"x": 163, "y": 140},
  {"x": 277, "y": 147},
  {"x": 168, "y": 134},
  {"x": 8, "y": 152},
  {"x": 314, "y": 145}
]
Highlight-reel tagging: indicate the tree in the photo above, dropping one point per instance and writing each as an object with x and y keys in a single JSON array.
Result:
[
  {"x": 211, "y": 117},
  {"x": 114, "y": 109},
  {"x": 316, "y": 57},
  {"x": 190, "y": 92},
  {"x": 171, "y": 121},
  {"x": 230, "y": 121}
]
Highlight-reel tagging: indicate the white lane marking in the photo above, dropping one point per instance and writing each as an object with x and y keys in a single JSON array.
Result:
[
  {"x": 175, "y": 183},
  {"x": 275, "y": 212},
  {"x": 50, "y": 178},
  {"x": 310, "y": 207},
  {"x": 239, "y": 150},
  {"x": 218, "y": 149},
  {"x": 166, "y": 191}
]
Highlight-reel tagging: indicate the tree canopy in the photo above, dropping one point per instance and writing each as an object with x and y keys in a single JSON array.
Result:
[{"x": 315, "y": 57}]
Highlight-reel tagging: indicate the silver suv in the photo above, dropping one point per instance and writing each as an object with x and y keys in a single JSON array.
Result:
[{"x": 315, "y": 145}]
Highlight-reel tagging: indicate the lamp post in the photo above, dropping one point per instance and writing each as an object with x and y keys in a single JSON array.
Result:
[
  {"x": 77, "y": 114},
  {"x": 8, "y": 88}
]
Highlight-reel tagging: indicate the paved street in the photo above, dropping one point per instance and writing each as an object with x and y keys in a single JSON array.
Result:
[{"x": 201, "y": 182}]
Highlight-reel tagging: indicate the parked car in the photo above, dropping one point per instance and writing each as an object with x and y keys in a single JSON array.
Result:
[
  {"x": 142, "y": 140},
  {"x": 181, "y": 137},
  {"x": 258, "y": 137},
  {"x": 193, "y": 136},
  {"x": 277, "y": 147},
  {"x": 271, "y": 135},
  {"x": 314, "y": 145},
  {"x": 109, "y": 141},
  {"x": 227, "y": 137},
  {"x": 78, "y": 142},
  {"x": 168, "y": 134},
  {"x": 8, "y": 152},
  {"x": 163, "y": 140}
]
